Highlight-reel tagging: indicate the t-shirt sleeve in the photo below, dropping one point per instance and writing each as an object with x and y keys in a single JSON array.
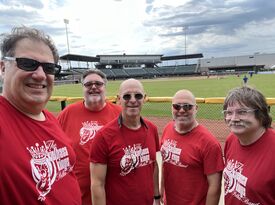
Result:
[
  {"x": 99, "y": 149},
  {"x": 213, "y": 158}
]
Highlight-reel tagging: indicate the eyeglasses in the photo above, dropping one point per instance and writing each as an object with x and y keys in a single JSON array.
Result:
[
  {"x": 186, "y": 107},
  {"x": 90, "y": 84},
  {"x": 28, "y": 64},
  {"x": 137, "y": 96},
  {"x": 238, "y": 112}
]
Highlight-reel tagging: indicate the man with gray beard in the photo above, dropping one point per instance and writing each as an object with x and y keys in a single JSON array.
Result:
[{"x": 83, "y": 119}]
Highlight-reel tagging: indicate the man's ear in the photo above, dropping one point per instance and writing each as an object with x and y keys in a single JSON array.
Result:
[
  {"x": 118, "y": 100},
  {"x": 2, "y": 68}
]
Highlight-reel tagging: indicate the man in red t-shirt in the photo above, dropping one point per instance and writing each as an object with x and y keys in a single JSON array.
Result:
[
  {"x": 82, "y": 120},
  {"x": 36, "y": 157},
  {"x": 192, "y": 157},
  {"x": 123, "y": 166},
  {"x": 249, "y": 174}
]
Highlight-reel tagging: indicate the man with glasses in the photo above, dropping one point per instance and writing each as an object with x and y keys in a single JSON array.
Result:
[
  {"x": 192, "y": 157},
  {"x": 36, "y": 157},
  {"x": 123, "y": 166},
  {"x": 83, "y": 119},
  {"x": 249, "y": 174}
]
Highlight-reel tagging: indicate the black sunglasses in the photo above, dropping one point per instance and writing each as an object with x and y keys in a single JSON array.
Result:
[
  {"x": 185, "y": 106},
  {"x": 90, "y": 84},
  {"x": 138, "y": 96},
  {"x": 28, "y": 64}
]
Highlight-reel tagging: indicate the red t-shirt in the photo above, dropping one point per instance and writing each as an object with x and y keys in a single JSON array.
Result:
[
  {"x": 81, "y": 125},
  {"x": 249, "y": 174},
  {"x": 130, "y": 156},
  {"x": 187, "y": 160},
  {"x": 36, "y": 160}
]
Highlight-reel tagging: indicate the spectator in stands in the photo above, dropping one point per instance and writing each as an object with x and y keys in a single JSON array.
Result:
[
  {"x": 36, "y": 157},
  {"x": 192, "y": 157},
  {"x": 83, "y": 119},
  {"x": 249, "y": 149},
  {"x": 124, "y": 169}
]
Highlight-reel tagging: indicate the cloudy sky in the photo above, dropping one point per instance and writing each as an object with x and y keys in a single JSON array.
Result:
[{"x": 212, "y": 27}]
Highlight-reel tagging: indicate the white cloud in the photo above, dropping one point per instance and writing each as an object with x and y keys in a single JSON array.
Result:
[{"x": 215, "y": 27}]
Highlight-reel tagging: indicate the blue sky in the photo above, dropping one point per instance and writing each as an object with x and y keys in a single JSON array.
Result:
[{"x": 212, "y": 27}]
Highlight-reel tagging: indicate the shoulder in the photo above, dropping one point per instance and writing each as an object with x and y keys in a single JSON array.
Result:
[
  {"x": 110, "y": 105},
  {"x": 205, "y": 133},
  {"x": 110, "y": 128},
  {"x": 149, "y": 123},
  {"x": 75, "y": 107}
]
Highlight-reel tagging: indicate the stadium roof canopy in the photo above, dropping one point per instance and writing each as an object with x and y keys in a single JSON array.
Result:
[
  {"x": 179, "y": 57},
  {"x": 75, "y": 57},
  {"x": 104, "y": 58}
]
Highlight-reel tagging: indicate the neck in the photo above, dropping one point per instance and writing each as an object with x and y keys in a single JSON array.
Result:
[
  {"x": 131, "y": 123},
  {"x": 95, "y": 107},
  {"x": 35, "y": 113},
  {"x": 185, "y": 129},
  {"x": 252, "y": 137}
]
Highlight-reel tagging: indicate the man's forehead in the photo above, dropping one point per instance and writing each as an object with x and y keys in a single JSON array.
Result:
[
  {"x": 183, "y": 97},
  {"x": 131, "y": 86}
]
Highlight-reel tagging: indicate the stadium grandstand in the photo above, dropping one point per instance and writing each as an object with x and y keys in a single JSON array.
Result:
[
  {"x": 153, "y": 66},
  {"x": 126, "y": 66}
]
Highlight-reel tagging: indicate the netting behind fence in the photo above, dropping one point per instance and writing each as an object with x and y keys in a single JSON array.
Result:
[{"x": 158, "y": 110}]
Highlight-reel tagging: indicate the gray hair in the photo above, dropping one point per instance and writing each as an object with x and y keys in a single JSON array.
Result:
[
  {"x": 9, "y": 40},
  {"x": 95, "y": 71},
  {"x": 252, "y": 98}
]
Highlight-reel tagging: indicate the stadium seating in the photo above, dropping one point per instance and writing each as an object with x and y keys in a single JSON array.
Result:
[
  {"x": 185, "y": 69},
  {"x": 136, "y": 72},
  {"x": 120, "y": 73}
]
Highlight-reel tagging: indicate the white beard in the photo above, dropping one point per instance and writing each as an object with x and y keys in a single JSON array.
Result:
[{"x": 94, "y": 98}]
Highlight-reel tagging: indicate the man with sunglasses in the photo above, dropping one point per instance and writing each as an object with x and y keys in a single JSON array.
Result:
[
  {"x": 81, "y": 121},
  {"x": 192, "y": 157},
  {"x": 123, "y": 154},
  {"x": 249, "y": 174},
  {"x": 36, "y": 157}
]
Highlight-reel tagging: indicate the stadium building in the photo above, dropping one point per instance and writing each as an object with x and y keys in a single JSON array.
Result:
[{"x": 152, "y": 66}]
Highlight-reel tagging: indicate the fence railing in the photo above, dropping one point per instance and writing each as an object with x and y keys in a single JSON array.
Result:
[{"x": 213, "y": 100}]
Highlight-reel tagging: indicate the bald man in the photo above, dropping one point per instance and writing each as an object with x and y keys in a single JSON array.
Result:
[
  {"x": 192, "y": 157},
  {"x": 123, "y": 164}
]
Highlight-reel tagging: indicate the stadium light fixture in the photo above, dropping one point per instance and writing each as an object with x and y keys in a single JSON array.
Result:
[{"x": 66, "y": 21}]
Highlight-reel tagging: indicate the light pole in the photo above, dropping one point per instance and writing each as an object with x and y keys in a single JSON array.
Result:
[
  {"x": 66, "y": 21},
  {"x": 185, "y": 45}
]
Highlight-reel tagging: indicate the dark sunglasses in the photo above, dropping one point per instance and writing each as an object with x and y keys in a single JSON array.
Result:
[
  {"x": 138, "y": 96},
  {"x": 28, "y": 64},
  {"x": 90, "y": 84},
  {"x": 185, "y": 106}
]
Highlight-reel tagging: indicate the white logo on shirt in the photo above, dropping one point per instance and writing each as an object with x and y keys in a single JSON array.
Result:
[
  {"x": 171, "y": 154},
  {"x": 134, "y": 157},
  {"x": 49, "y": 164},
  {"x": 235, "y": 182},
  {"x": 88, "y": 131}
]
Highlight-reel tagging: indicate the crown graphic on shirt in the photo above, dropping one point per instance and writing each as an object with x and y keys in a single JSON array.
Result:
[
  {"x": 91, "y": 125},
  {"x": 37, "y": 152}
]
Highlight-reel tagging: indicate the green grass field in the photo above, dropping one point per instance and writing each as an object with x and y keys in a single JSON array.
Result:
[{"x": 166, "y": 87}]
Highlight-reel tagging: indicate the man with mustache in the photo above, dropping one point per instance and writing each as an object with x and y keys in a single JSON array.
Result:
[
  {"x": 83, "y": 119},
  {"x": 192, "y": 157},
  {"x": 249, "y": 173}
]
